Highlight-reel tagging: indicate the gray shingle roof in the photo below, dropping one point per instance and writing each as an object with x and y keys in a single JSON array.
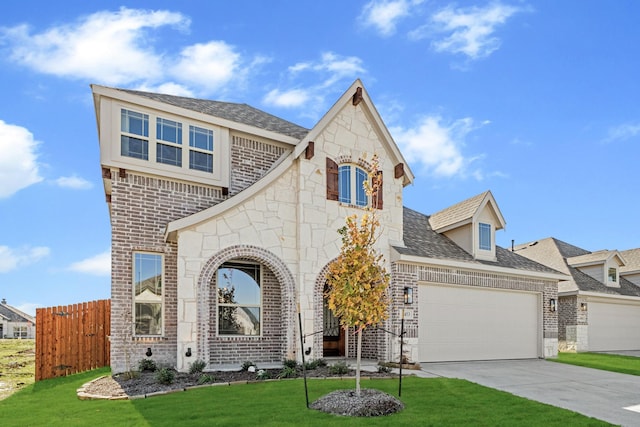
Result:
[
  {"x": 422, "y": 241},
  {"x": 240, "y": 113},
  {"x": 456, "y": 213},
  {"x": 12, "y": 314}
]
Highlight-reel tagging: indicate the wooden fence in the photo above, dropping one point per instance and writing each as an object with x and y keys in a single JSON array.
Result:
[{"x": 72, "y": 338}]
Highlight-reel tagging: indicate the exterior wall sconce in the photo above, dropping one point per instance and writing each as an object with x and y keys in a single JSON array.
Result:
[
  {"x": 408, "y": 295},
  {"x": 148, "y": 353},
  {"x": 553, "y": 305},
  {"x": 583, "y": 306},
  {"x": 188, "y": 353}
]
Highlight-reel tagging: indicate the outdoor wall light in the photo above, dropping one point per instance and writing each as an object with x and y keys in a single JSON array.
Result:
[
  {"x": 188, "y": 353},
  {"x": 552, "y": 305},
  {"x": 583, "y": 306},
  {"x": 148, "y": 353},
  {"x": 408, "y": 295}
]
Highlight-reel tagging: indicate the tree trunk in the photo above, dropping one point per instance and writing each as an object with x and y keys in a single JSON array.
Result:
[{"x": 358, "y": 357}]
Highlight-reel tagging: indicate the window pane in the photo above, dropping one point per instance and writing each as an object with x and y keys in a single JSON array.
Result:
[
  {"x": 169, "y": 154},
  {"x": 132, "y": 122},
  {"x": 168, "y": 130},
  {"x": 148, "y": 319},
  {"x": 200, "y": 138},
  {"x": 134, "y": 147},
  {"x": 361, "y": 195},
  {"x": 200, "y": 161},
  {"x": 239, "y": 284},
  {"x": 613, "y": 275},
  {"x": 344, "y": 184},
  {"x": 485, "y": 237},
  {"x": 237, "y": 320},
  {"x": 147, "y": 291}
]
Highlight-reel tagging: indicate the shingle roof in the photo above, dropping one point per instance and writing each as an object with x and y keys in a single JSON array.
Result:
[
  {"x": 421, "y": 240},
  {"x": 456, "y": 213},
  {"x": 632, "y": 258},
  {"x": 592, "y": 257},
  {"x": 14, "y": 315},
  {"x": 240, "y": 113}
]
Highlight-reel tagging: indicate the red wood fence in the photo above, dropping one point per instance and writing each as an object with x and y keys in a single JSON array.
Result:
[{"x": 72, "y": 338}]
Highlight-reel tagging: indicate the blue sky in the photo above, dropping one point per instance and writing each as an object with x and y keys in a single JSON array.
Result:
[{"x": 536, "y": 101}]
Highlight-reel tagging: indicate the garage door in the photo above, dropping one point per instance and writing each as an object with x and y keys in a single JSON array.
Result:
[
  {"x": 466, "y": 323},
  {"x": 613, "y": 326}
]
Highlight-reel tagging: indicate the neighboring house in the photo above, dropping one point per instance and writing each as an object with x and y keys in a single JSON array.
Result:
[
  {"x": 15, "y": 323},
  {"x": 599, "y": 306},
  {"x": 224, "y": 221}
]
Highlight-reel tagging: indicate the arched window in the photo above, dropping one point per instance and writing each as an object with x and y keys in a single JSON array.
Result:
[
  {"x": 239, "y": 299},
  {"x": 345, "y": 183}
]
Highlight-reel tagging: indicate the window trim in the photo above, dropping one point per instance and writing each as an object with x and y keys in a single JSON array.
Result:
[
  {"x": 133, "y": 294},
  {"x": 613, "y": 279},
  {"x": 485, "y": 230},
  {"x": 356, "y": 173},
  {"x": 260, "y": 306}
]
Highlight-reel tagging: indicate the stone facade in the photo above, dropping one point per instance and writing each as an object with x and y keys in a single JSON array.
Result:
[{"x": 573, "y": 324}]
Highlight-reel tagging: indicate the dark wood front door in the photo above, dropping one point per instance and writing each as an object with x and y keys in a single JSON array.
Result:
[{"x": 333, "y": 337}]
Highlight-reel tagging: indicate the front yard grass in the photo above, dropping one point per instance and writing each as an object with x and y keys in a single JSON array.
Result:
[
  {"x": 433, "y": 401},
  {"x": 17, "y": 365},
  {"x": 607, "y": 362}
]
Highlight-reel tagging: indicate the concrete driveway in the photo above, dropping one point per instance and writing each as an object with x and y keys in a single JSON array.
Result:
[{"x": 599, "y": 394}]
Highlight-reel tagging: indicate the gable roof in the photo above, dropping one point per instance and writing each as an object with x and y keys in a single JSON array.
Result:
[
  {"x": 558, "y": 254},
  {"x": 632, "y": 258},
  {"x": 594, "y": 258},
  {"x": 464, "y": 213},
  {"x": 281, "y": 167},
  {"x": 421, "y": 240},
  {"x": 12, "y": 314}
]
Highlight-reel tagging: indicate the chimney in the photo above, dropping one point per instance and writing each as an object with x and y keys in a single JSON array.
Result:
[{"x": 4, "y": 300}]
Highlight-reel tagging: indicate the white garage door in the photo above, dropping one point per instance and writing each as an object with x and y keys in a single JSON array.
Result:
[
  {"x": 466, "y": 323},
  {"x": 613, "y": 326}
]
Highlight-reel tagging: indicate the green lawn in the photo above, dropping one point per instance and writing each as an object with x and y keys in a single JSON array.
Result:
[
  {"x": 17, "y": 365},
  {"x": 437, "y": 401},
  {"x": 607, "y": 362}
]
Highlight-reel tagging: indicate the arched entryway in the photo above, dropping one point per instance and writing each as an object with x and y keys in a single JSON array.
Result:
[{"x": 333, "y": 335}]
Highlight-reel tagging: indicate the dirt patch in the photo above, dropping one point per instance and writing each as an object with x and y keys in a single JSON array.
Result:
[{"x": 17, "y": 365}]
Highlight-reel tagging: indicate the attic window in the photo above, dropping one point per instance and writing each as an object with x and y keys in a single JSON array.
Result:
[
  {"x": 485, "y": 236},
  {"x": 345, "y": 183},
  {"x": 613, "y": 274}
]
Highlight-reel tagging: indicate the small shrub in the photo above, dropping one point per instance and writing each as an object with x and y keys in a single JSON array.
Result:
[
  {"x": 290, "y": 363},
  {"x": 147, "y": 365},
  {"x": 263, "y": 375},
  {"x": 311, "y": 365},
  {"x": 165, "y": 376},
  {"x": 197, "y": 366},
  {"x": 246, "y": 365},
  {"x": 288, "y": 372},
  {"x": 130, "y": 375},
  {"x": 321, "y": 362},
  {"x": 205, "y": 379},
  {"x": 339, "y": 368},
  {"x": 384, "y": 369}
]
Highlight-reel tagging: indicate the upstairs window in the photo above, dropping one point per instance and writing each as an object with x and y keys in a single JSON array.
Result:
[
  {"x": 134, "y": 141},
  {"x": 239, "y": 299},
  {"x": 613, "y": 274},
  {"x": 485, "y": 236},
  {"x": 345, "y": 183},
  {"x": 147, "y": 293},
  {"x": 169, "y": 136},
  {"x": 200, "y": 149}
]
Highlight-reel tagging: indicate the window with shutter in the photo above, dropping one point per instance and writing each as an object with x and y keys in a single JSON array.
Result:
[
  {"x": 332, "y": 180},
  {"x": 376, "y": 183}
]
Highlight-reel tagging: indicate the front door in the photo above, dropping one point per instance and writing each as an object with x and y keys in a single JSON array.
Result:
[{"x": 333, "y": 337}]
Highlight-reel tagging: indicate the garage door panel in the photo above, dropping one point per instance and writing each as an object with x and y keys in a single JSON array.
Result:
[
  {"x": 613, "y": 326},
  {"x": 464, "y": 323}
]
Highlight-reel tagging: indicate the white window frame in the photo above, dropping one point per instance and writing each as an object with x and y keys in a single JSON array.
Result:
[
  {"x": 20, "y": 331},
  {"x": 352, "y": 198},
  {"x": 485, "y": 229},
  {"x": 614, "y": 278},
  {"x": 261, "y": 305},
  {"x": 133, "y": 294}
]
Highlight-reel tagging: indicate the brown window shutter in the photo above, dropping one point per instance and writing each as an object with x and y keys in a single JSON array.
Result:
[
  {"x": 377, "y": 196},
  {"x": 332, "y": 180},
  {"x": 399, "y": 170}
]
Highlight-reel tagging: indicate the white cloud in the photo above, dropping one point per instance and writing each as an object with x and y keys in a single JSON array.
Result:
[
  {"x": 287, "y": 99},
  {"x": 108, "y": 46},
  {"x": 329, "y": 69},
  {"x": 210, "y": 65},
  {"x": 74, "y": 182},
  {"x": 437, "y": 146},
  {"x": 384, "y": 15},
  {"x": 18, "y": 159},
  {"x": 13, "y": 258},
  {"x": 468, "y": 31},
  {"x": 98, "y": 265},
  {"x": 623, "y": 132}
]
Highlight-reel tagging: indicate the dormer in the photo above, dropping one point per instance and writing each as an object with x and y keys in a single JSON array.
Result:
[
  {"x": 472, "y": 225},
  {"x": 631, "y": 269},
  {"x": 604, "y": 266}
]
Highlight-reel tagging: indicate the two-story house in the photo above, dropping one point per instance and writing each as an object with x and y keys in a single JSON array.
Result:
[
  {"x": 224, "y": 221},
  {"x": 599, "y": 306}
]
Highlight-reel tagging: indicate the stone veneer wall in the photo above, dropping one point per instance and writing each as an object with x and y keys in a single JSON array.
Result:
[
  {"x": 572, "y": 324},
  {"x": 141, "y": 207},
  {"x": 411, "y": 275}
]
